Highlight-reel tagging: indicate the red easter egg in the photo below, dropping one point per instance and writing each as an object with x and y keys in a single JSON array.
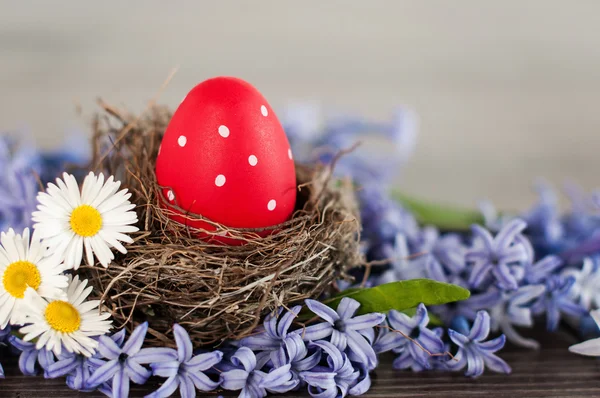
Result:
[{"x": 225, "y": 156}]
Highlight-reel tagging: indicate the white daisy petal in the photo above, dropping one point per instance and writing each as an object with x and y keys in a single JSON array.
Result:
[
  {"x": 75, "y": 288},
  {"x": 5, "y": 312},
  {"x": 110, "y": 188},
  {"x": 96, "y": 188},
  {"x": 89, "y": 253},
  {"x": 89, "y": 184},
  {"x": 111, "y": 240},
  {"x": 114, "y": 202}
]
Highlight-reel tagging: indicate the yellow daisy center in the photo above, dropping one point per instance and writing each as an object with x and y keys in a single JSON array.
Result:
[
  {"x": 86, "y": 221},
  {"x": 18, "y": 276},
  {"x": 63, "y": 317}
]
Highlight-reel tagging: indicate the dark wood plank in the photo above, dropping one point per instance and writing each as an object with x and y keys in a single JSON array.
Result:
[{"x": 551, "y": 372}]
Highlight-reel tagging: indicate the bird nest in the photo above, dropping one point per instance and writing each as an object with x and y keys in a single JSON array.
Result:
[{"x": 215, "y": 291}]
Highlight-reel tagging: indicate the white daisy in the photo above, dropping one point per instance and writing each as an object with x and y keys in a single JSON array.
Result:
[
  {"x": 23, "y": 264},
  {"x": 96, "y": 218},
  {"x": 70, "y": 323}
]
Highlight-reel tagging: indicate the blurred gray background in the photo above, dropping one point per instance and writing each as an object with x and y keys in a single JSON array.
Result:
[{"x": 506, "y": 91}]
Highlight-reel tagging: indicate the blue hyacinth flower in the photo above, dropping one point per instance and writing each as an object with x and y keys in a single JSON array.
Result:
[
  {"x": 183, "y": 370},
  {"x": 344, "y": 330},
  {"x": 474, "y": 352}
]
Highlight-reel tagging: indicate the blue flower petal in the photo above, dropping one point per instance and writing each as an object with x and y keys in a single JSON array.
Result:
[
  {"x": 76, "y": 380},
  {"x": 245, "y": 358},
  {"x": 323, "y": 311},
  {"x": 61, "y": 368},
  {"x": 234, "y": 379},
  {"x": 514, "y": 254},
  {"x": 401, "y": 322},
  {"x": 507, "y": 234},
  {"x": 364, "y": 321},
  {"x": 165, "y": 369},
  {"x": 479, "y": 272},
  {"x": 136, "y": 340},
  {"x": 295, "y": 347},
  {"x": 481, "y": 327},
  {"x": 458, "y": 362},
  {"x": 286, "y": 320},
  {"x": 202, "y": 362},
  {"x": 485, "y": 236},
  {"x": 418, "y": 353},
  {"x": 186, "y": 387},
  {"x": 363, "y": 383},
  {"x": 119, "y": 337},
  {"x": 279, "y": 380},
  {"x": 316, "y": 392},
  {"x": 493, "y": 345},
  {"x": 154, "y": 355},
  {"x": 27, "y": 362},
  {"x": 137, "y": 373},
  {"x": 45, "y": 358},
  {"x": 339, "y": 339},
  {"x": 316, "y": 332},
  {"x": 309, "y": 362},
  {"x": 458, "y": 338},
  {"x": 104, "y": 373},
  {"x": 431, "y": 340},
  {"x": 389, "y": 341},
  {"x": 202, "y": 381},
  {"x": 404, "y": 361},
  {"x": 475, "y": 364},
  {"x": 120, "y": 385},
  {"x": 505, "y": 278},
  {"x": 108, "y": 348},
  {"x": 361, "y": 349},
  {"x": 496, "y": 364},
  {"x": 335, "y": 356},
  {"x": 20, "y": 344},
  {"x": 323, "y": 380},
  {"x": 185, "y": 348},
  {"x": 261, "y": 341},
  {"x": 347, "y": 308},
  {"x": 167, "y": 389},
  {"x": 270, "y": 323}
]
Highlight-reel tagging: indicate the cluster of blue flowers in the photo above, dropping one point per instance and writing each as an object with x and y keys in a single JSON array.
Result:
[
  {"x": 332, "y": 357},
  {"x": 518, "y": 267}
]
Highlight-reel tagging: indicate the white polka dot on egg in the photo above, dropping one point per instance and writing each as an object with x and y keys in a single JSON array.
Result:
[
  {"x": 290, "y": 154},
  {"x": 272, "y": 205},
  {"x": 253, "y": 160},
  {"x": 220, "y": 180},
  {"x": 264, "y": 111},
  {"x": 224, "y": 131},
  {"x": 182, "y": 140},
  {"x": 171, "y": 195}
]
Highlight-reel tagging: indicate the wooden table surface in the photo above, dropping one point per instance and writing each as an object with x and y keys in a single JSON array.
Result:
[{"x": 551, "y": 372}]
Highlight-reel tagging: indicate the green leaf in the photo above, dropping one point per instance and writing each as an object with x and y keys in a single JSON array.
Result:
[
  {"x": 445, "y": 217},
  {"x": 402, "y": 295}
]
